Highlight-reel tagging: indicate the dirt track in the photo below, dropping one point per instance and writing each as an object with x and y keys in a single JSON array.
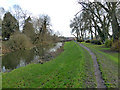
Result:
[{"x": 99, "y": 79}]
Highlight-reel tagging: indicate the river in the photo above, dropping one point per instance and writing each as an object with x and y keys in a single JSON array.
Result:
[{"x": 22, "y": 58}]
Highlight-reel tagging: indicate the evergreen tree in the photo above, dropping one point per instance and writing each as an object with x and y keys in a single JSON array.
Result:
[
  {"x": 28, "y": 29},
  {"x": 9, "y": 25}
]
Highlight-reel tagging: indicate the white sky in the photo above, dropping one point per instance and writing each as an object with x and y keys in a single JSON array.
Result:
[{"x": 60, "y": 11}]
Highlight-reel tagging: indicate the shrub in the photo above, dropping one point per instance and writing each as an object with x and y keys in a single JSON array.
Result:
[
  {"x": 19, "y": 41},
  {"x": 108, "y": 43},
  {"x": 98, "y": 42},
  {"x": 87, "y": 41},
  {"x": 116, "y": 46},
  {"x": 5, "y": 48},
  {"x": 80, "y": 40}
]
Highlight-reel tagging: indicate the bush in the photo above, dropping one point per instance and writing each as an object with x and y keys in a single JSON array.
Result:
[
  {"x": 19, "y": 41},
  {"x": 5, "y": 48},
  {"x": 87, "y": 41},
  {"x": 98, "y": 42},
  {"x": 108, "y": 43},
  {"x": 80, "y": 40},
  {"x": 116, "y": 46}
]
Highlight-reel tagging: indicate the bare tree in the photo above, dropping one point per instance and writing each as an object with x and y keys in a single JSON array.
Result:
[
  {"x": 101, "y": 16},
  {"x": 110, "y": 8},
  {"x": 20, "y": 14}
]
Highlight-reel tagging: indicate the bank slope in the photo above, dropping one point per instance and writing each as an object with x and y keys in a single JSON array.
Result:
[{"x": 73, "y": 68}]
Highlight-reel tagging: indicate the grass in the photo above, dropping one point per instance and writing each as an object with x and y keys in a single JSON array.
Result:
[
  {"x": 0, "y": 48},
  {"x": 73, "y": 68},
  {"x": 0, "y": 81},
  {"x": 108, "y": 62},
  {"x": 0, "y": 65}
]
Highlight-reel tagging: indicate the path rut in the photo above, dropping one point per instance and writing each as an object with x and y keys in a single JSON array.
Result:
[{"x": 98, "y": 75}]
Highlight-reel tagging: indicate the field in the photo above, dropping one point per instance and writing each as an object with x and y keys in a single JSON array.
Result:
[
  {"x": 73, "y": 68},
  {"x": 108, "y": 63}
]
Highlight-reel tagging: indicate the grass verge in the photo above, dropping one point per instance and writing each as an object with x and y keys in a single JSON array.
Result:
[
  {"x": 0, "y": 81},
  {"x": 108, "y": 62},
  {"x": 73, "y": 68}
]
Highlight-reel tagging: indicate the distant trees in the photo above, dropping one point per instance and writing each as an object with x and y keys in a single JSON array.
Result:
[
  {"x": 75, "y": 28},
  {"x": 9, "y": 25}
]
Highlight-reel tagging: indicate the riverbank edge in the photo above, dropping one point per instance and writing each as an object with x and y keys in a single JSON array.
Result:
[
  {"x": 67, "y": 49},
  {"x": 6, "y": 50}
]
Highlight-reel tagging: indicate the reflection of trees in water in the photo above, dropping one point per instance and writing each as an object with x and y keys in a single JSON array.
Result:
[
  {"x": 40, "y": 51},
  {"x": 27, "y": 55},
  {"x": 12, "y": 60}
]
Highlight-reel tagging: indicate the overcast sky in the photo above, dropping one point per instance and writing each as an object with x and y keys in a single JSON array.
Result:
[{"x": 60, "y": 11}]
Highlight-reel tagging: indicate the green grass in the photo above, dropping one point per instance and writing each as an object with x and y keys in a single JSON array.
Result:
[
  {"x": 0, "y": 81},
  {"x": 108, "y": 61},
  {"x": 73, "y": 68}
]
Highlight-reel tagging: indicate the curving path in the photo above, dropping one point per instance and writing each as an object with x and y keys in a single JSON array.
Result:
[{"x": 99, "y": 79}]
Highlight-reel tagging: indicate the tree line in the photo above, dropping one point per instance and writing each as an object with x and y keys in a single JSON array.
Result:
[
  {"x": 99, "y": 20},
  {"x": 21, "y": 30}
]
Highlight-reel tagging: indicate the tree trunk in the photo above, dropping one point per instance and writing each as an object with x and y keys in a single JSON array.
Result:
[
  {"x": 96, "y": 33},
  {"x": 91, "y": 36},
  {"x": 115, "y": 27},
  {"x": 114, "y": 22},
  {"x": 77, "y": 37}
]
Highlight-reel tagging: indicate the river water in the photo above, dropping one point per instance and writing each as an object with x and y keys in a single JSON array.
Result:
[{"x": 21, "y": 58}]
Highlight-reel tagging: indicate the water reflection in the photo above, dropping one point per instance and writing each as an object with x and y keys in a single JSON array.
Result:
[
  {"x": 23, "y": 57},
  {"x": 58, "y": 45}
]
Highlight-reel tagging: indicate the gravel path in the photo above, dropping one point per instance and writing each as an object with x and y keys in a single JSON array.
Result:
[{"x": 99, "y": 79}]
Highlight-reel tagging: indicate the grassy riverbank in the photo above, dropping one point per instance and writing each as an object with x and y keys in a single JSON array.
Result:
[
  {"x": 73, "y": 68},
  {"x": 0, "y": 81},
  {"x": 108, "y": 61}
]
